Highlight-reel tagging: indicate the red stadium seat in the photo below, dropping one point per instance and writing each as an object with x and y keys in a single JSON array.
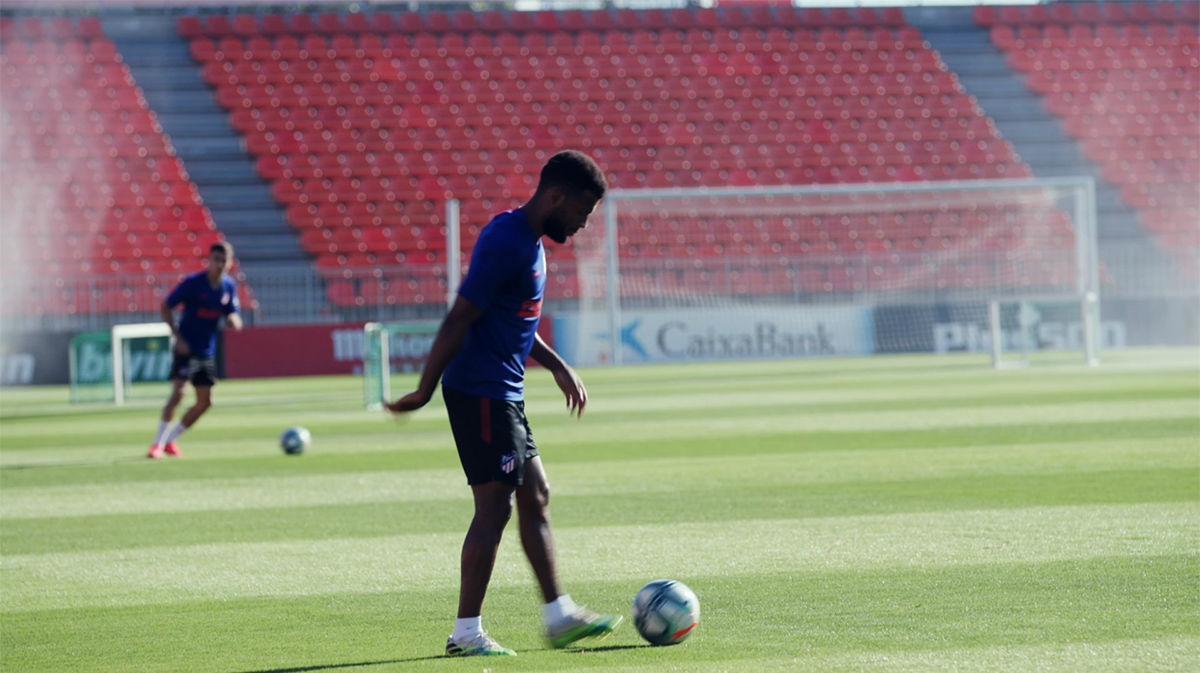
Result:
[
  {"x": 301, "y": 23},
  {"x": 273, "y": 25},
  {"x": 410, "y": 22},
  {"x": 329, "y": 23},
  {"x": 190, "y": 27},
  {"x": 358, "y": 23},
  {"x": 1113, "y": 12},
  {"x": 218, "y": 26},
  {"x": 245, "y": 25}
]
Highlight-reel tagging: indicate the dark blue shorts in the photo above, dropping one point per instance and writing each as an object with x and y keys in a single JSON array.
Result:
[
  {"x": 200, "y": 371},
  {"x": 493, "y": 437}
]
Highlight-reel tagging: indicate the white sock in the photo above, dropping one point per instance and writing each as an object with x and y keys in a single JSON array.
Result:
[
  {"x": 556, "y": 610},
  {"x": 175, "y": 433},
  {"x": 161, "y": 437},
  {"x": 466, "y": 629}
]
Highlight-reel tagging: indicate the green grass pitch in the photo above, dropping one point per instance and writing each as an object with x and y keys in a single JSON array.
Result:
[{"x": 885, "y": 514}]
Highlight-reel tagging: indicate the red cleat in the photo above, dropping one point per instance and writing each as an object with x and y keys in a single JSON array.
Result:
[
  {"x": 173, "y": 451},
  {"x": 156, "y": 452}
]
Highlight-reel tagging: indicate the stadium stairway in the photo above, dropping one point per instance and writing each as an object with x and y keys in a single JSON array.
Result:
[
  {"x": 281, "y": 273},
  {"x": 1038, "y": 137}
]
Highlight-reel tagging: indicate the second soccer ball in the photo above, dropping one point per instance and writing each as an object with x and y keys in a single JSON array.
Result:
[{"x": 295, "y": 441}]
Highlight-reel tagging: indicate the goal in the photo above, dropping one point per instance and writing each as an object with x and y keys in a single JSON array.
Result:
[
  {"x": 1006, "y": 269},
  {"x": 118, "y": 364}
]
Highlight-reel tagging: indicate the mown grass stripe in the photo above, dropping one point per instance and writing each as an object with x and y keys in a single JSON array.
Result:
[
  {"x": 1127, "y": 367},
  {"x": 709, "y": 503},
  {"x": 241, "y": 409},
  {"x": 801, "y": 418},
  {"x": 926, "y": 540},
  {"x": 597, "y": 475},
  {"x": 358, "y": 455}
]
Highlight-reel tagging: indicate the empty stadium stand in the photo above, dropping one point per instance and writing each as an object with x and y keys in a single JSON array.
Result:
[
  {"x": 225, "y": 176},
  {"x": 366, "y": 123},
  {"x": 106, "y": 211},
  {"x": 1122, "y": 78}
]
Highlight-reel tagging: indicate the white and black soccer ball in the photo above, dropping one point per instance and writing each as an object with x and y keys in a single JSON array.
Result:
[
  {"x": 666, "y": 612},
  {"x": 295, "y": 441}
]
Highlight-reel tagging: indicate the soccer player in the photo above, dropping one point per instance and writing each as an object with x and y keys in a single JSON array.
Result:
[
  {"x": 479, "y": 354},
  {"x": 207, "y": 297}
]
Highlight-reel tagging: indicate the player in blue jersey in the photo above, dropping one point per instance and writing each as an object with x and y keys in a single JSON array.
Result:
[
  {"x": 207, "y": 297},
  {"x": 479, "y": 354}
]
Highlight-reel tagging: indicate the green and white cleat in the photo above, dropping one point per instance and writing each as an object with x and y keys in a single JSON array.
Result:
[
  {"x": 480, "y": 646},
  {"x": 582, "y": 624}
]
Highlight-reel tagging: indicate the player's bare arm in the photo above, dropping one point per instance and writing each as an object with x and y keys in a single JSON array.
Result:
[
  {"x": 447, "y": 342},
  {"x": 168, "y": 316},
  {"x": 234, "y": 320},
  {"x": 566, "y": 378}
]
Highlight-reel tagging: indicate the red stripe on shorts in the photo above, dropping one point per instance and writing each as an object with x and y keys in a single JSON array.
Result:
[{"x": 485, "y": 420}]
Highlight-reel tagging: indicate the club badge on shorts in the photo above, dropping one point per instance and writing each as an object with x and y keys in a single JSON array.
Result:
[{"x": 508, "y": 462}]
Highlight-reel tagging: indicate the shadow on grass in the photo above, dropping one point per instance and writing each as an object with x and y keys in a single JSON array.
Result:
[
  {"x": 607, "y": 648},
  {"x": 355, "y": 664},
  {"x": 382, "y": 662}
]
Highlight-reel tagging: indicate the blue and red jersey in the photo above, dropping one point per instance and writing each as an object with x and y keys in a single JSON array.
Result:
[
  {"x": 507, "y": 281},
  {"x": 203, "y": 308}
]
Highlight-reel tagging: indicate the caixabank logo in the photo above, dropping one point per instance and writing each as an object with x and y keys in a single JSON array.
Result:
[
  {"x": 757, "y": 332},
  {"x": 680, "y": 339}
]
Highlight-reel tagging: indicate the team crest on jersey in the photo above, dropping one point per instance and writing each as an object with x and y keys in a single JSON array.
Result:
[
  {"x": 225, "y": 298},
  {"x": 508, "y": 462}
]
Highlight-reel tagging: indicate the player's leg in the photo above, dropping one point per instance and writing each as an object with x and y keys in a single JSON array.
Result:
[
  {"x": 565, "y": 621},
  {"x": 203, "y": 404},
  {"x": 533, "y": 510},
  {"x": 179, "y": 376},
  {"x": 168, "y": 411},
  {"x": 479, "y": 438},
  {"x": 203, "y": 376},
  {"x": 493, "y": 508}
]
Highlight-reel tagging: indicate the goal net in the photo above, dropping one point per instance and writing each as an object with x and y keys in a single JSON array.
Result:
[{"x": 1003, "y": 268}]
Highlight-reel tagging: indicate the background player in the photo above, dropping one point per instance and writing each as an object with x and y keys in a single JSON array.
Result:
[
  {"x": 482, "y": 347},
  {"x": 206, "y": 297}
]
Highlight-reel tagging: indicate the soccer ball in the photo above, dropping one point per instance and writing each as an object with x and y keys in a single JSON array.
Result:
[
  {"x": 295, "y": 440},
  {"x": 665, "y": 612}
]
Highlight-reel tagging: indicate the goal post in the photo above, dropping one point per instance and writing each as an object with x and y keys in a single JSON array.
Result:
[
  {"x": 390, "y": 348},
  {"x": 1023, "y": 331},
  {"x": 853, "y": 269}
]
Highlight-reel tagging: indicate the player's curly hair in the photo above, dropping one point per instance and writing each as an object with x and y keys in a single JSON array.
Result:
[{"x": 575, "y": 171}]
